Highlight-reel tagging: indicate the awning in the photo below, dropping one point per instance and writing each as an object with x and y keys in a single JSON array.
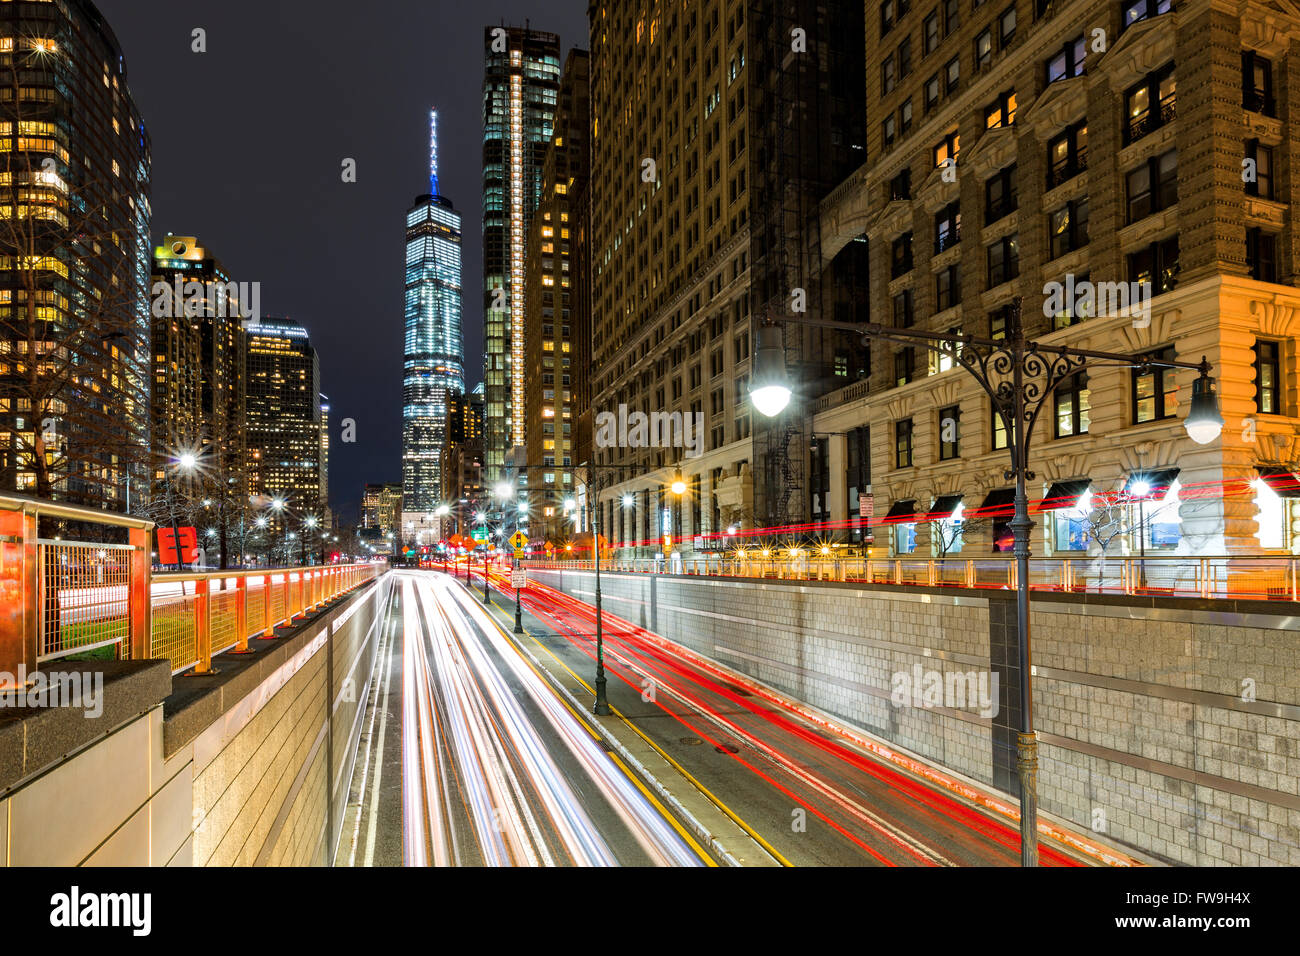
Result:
[
  {"x": 902, "y": 511},
  {"x": 943, "y": 507},
  {"x": 1062, "y": 494},
  {"x": 1283, "y": 481},
  {"x": 998, "y": 504},
  {"x": 1158, "y": 481}
]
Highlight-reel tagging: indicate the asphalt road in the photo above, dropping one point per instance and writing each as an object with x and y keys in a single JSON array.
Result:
[
  {"x": 808, "y": 794},
  {"x": 471, "y": 759}
]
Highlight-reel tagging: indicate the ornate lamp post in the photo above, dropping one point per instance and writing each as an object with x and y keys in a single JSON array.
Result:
[{"x": 1019, "y": 376}]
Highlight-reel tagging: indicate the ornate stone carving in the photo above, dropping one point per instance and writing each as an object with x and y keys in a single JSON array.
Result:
[
  {"x": 1143, "y": 47},
  {"x": 1062, "y": 103}
]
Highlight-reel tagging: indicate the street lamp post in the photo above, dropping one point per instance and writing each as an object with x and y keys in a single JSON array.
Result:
[{"x": 1019, "y": 376}]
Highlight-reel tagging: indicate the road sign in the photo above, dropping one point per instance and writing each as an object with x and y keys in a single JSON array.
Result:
[
  {"x": 519, "y": 578},
  {"x": 479, "y": 534},
  {"x": 189, "y": 545},
  {"x": 519, "y": 540}
]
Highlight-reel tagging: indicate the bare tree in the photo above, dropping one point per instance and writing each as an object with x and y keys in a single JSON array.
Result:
[{"x": 947, "y": 535}]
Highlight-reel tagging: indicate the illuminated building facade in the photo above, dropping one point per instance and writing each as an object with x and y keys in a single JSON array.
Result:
[
  {"x": 284, "y": 415},
  {"x": 435, "y": 357},
  {"x": 550, "y": 343},
  {"x": 520, "y": 88},
  {"x": 1151, "y": 157},
  {"x": 74, "y": 256},
  {"x": 198, "y": 391},
  {"x": 381, "y": 506}
]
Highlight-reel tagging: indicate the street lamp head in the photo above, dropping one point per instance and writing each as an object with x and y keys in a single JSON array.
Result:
[
  {"x": 1204, "y": 423},
  {"x": 187, "y": 460},
  {"x": 629, "y": 500},
  {"x": 442, "y": 511},
  {"x": 523, "y": 507},
  {"x": 569, "y": 504},
  {"x": 769, "y": 389},
  {"x": 679, "y": 484},
  {"x": 504, "y": 490},
  {"x": 261, "y": 522},
  {"x": 1140, "y": 488},
  {"x": 278, "y": 504},
  {"x": 311, "y": 521},
  {"x": 480, "y": 516}
]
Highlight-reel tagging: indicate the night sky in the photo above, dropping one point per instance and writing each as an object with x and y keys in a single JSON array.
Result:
[{"x": 248, "y": 142}]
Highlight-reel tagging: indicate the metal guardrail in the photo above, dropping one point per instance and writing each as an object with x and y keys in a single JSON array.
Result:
[
  {"x": 1246, "y": 577},
  {"x": 62, "y": 598}
]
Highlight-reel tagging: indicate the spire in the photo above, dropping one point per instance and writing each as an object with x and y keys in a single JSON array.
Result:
[{"x": 433, "y": 151}]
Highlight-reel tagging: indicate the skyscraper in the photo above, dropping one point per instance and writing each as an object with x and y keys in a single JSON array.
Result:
[
  {"x": 549, "y": 339},
  {"x": 435, "y": 355},
  {"x": 284, "y": 415},
  {"x": 74, "y": 259},
  {"x": 520, "y": 88},
  {"x": 198, "y": 365}
]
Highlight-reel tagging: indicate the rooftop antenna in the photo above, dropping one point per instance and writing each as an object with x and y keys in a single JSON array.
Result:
[{"x": 433, "y": 152}]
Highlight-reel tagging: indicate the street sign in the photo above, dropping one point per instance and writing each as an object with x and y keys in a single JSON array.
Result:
[
  {"x": 480, "y": 534},
  {"x": 519, "y": 578},
  {"x": 189, "y": 545},
  {"x": 519, "y": 540}
]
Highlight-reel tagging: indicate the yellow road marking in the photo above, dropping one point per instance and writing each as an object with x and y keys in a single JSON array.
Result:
[{"x": 731, "y": 814}]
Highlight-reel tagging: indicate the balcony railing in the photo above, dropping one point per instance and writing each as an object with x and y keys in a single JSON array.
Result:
[
  {"x": 1262, "y": 578},
  {"x": 86, "y": 598}
]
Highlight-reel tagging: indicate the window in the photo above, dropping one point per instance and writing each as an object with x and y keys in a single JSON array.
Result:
[
  {"x": 905, "y": 117},
  {"x": 1261, "y": 254},
  {"x": 888, "y": 76},
  {"x": 931, "y": 94},
  {"x": 1069, "y": 61},
  {"x": 888, "y": 131},
  {"x": 1000, "y": 195},
  {"x": 905, "y": 58},
  {"x": 888, "y": 16},
  {"x": 930, "y": 33},
  {"x": 947, "y": 227},
  {"x": 1257, "y": 84},
  {"x": 983, "y": 49},
  {"x": 1082, "y": 307},
  {"x": 947, "y": 288},
  {"x": 1153, "y": 186},
  {"x": 900, "y": 259},
  {"x": 1261, "y": 184},
  {"x": 947, "y": 149},
  {"x": 999, "y": 429},
  {"x": 903, "y": 309},
  {"x": 1156, "y": 264},
  {"x": 950, "y": 433},
  {"x": 1068, "y": 228},
  {"x": 1006, "y": 28},
  {"x": 1267, "y": 377},
  {"x": 904, "y": 365},
  {"x": 1001, "y": 112},
  {"x": 952, "y": 74},
  {"x": 903, "y": 443},
  {"x": 1000, "y": 323},
  {"x": 1004, "y": 260},
  {"x": 1150, "y": 104},
  {"x": 900, "y": 187},
  {"x": 951, "y": 16},
  {"x": 1067, "y": 155},
  {"x": 1071, "y": 404},
  {"x": 1134, "y": 10},
  {"x": 1154, "y": 390}
]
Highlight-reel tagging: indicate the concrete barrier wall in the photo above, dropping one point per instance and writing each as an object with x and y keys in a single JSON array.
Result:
[
  {"x": 271, "y": 774},
  {"x": 1170, "y": 726}
]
